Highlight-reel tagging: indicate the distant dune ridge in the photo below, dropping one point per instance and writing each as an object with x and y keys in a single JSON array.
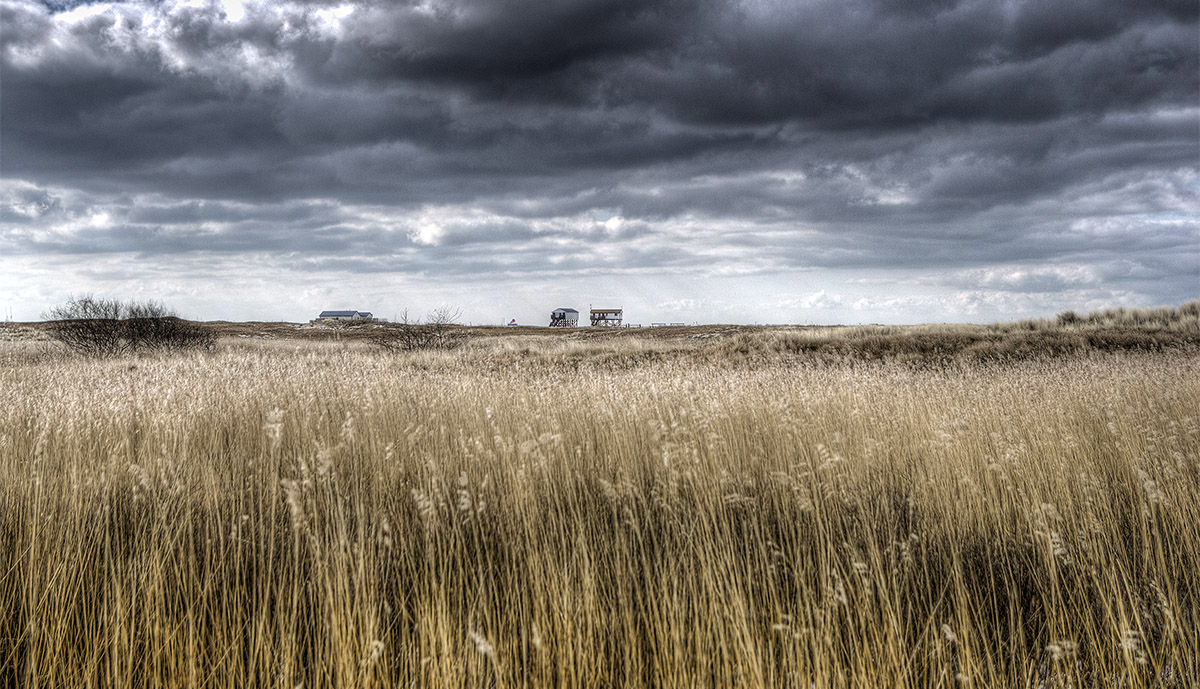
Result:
[
  {"x": 1110, "y": 330},
  {"x": 1010, "y": 505}
]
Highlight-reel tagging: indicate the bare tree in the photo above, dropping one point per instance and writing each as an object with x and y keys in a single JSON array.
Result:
[
  {"x": 440, "y": 330},
  {"x": 105, "y": 327}
]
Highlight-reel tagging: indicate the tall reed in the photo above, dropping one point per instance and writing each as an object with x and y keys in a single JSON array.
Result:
[{"x": 321, "y": 515}]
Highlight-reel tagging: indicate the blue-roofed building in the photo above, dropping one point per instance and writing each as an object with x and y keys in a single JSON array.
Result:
[{"x": 359, "y": 316}]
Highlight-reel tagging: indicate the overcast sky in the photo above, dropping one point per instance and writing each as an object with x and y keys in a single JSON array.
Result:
[{"x": 782, "y": 161}]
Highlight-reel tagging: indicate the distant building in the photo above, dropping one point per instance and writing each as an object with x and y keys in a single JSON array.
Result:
[
  {"x": 354, "y": 316},
  {"x": 564, "y": 318}
]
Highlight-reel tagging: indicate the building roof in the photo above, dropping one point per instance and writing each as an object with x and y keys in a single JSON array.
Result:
[
  {"x": 336, "y": 314},
  {"x": 567, "y": 310}
]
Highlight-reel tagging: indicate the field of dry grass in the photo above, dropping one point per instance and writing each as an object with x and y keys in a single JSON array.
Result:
[{"x": 711, "y": 508}]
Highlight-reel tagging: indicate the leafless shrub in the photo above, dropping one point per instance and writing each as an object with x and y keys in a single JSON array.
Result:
[
  {"x": 107, "y": 327},
  {"x": 88, "y": 324},
  {"x": 439, "y": 331}
]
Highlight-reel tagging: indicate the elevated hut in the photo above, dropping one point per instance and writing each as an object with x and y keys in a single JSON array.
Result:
[
  {"x": 607, "y": 317},
  {"x": 564, "y": 318}
]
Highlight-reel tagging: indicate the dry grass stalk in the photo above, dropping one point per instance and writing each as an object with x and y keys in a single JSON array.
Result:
[{"x": 326, "y": 515}]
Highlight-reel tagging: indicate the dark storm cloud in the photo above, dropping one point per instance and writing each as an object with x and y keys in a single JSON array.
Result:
[
  {"x": 522, "y": 87},
  {"x": 476, "y": 137},
  {"x": 507, "y": 48}
]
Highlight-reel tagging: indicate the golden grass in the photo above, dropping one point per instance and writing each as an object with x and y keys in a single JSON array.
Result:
[{"x": 535, "y": 514}]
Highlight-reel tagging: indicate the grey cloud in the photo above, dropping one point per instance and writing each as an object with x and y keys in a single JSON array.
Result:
[
  {"x": 26, "y": 204},
  {"x": 129, "y": 92},
  {"x": 500, "y": 46},
  {"x": 472, "y": 138}
]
